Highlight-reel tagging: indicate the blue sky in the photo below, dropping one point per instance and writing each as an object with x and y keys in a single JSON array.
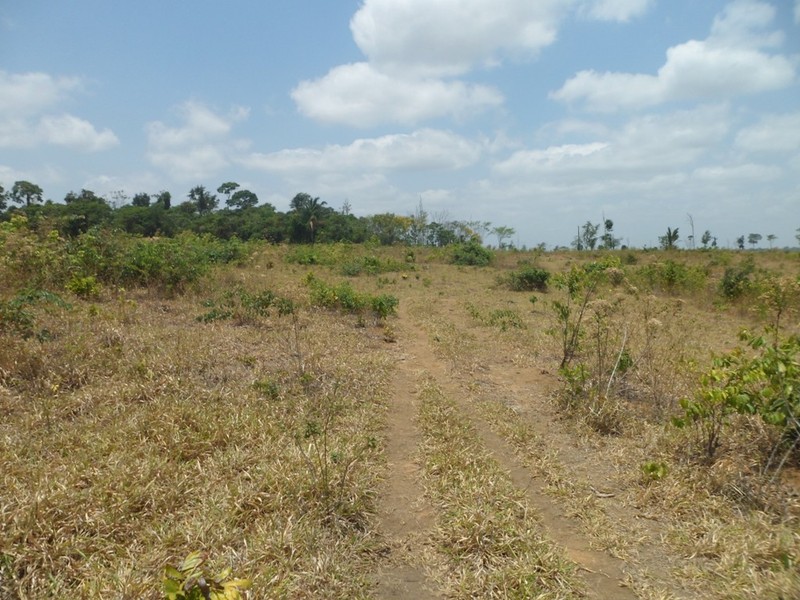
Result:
[{"x": 534, "y": 115}]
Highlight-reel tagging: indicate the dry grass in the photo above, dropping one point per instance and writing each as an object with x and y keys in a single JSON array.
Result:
[
  {"x": 132, "y": 434},
  {"x": 137, "y": 434},
  {"x": 490, "y": 543}
]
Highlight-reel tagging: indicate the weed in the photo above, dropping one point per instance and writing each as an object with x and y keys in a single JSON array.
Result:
[
  {"x": 188, "y": 581},
  {"x": 579, "y": 285}
]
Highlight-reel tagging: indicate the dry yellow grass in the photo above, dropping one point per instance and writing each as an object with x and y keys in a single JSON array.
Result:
[{"x": 132, "y": 434}]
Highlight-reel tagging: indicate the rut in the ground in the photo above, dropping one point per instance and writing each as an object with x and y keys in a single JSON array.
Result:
[{"x": 404, "y": 517}]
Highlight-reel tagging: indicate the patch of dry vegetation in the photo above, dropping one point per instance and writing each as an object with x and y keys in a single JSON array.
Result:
[
  {"x": 132, "y": 434},
  {"x": 489, "y": 542}
]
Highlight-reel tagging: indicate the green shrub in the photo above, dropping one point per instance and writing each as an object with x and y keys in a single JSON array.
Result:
[
  {"x": 527, "y": 279},
  {"x": 84, "y": 287},
  {"x": 736, "y": 281},
  {"x": 672, "y": 276},
  {"x": 344, "y": 297},
  {"x": 471, "y": 253}
]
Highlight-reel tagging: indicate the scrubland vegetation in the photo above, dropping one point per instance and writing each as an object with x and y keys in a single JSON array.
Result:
[{"x": 165, "y": 396}]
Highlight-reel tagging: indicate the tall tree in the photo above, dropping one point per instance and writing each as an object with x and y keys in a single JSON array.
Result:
[
  {"x": 589, "y": 235},
  {"x": 203, "y": 200},
  {"x": 753, "y": 239},
  {"x": 503, "y": 233},
  {"x": 228, "y": 188},
  {"x": 141, "y": 200},
  {"x": 242, "y": 199},
  {"x": 706, "y": 239},
  {"x": 771, "y": 238},
  {"x": 3, "y": 198},
  {"x": 607, "y": 240},
  {"x": 669, "y": 240},
  {"x": 164, "y": 198},
  {"x": 27, "y": 193},
  {"x": 307, "y": 212},
  {"x": 740, "y": 242}
]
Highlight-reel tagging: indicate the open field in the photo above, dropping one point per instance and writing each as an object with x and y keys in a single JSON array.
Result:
[{"x": 364, "y": 422}]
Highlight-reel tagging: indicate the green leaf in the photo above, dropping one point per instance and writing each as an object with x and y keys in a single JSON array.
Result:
[
  {"x": 172, "y": 572},
  {"x": 191, "y": 562}
]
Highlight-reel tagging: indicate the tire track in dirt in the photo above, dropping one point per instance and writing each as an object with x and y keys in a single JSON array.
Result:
[
  {"x": 603, "y": 573},
  {"x": 403, "y": 515}
]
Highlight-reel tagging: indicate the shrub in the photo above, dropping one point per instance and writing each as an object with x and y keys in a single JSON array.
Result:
[
  {"x": 527, "y": 279},
  {"x": 736, "y": 281},
  {"x": 471, "y": 253},
  {"x": 344, "y": 297},
  {"x": 672, "y": 276}
]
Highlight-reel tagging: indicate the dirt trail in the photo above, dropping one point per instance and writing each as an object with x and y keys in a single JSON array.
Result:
[
  {"x": 405, "y": 519},
  {"x": 403, "y": 515}
]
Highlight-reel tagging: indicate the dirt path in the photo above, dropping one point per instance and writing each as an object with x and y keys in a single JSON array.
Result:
[
  {"x": 403, "y": 515},
  {"x": 405, "y": 518}
]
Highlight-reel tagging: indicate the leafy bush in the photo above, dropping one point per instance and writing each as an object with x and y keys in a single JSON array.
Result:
[
  {"x": 471, "y": 253},
  {"x": 344, "y": 297},
  {"x": 767, "y": 385},
  {"x": 736, "y": 281},
  {"x": 84, "y": 287},
  {"x": 527, "y": 279},
  {"x": 672, "y": 276}
]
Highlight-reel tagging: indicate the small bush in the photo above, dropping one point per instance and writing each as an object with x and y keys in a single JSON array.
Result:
[
  {"x": 736, "y": 281},
  {"x": 671, "y": 276},
  {"x": 471, "y": 253},
  {"x": 84, "y": 287},
  {"x": 344, "y": 297},
  {"x": 527, "y": 279}
]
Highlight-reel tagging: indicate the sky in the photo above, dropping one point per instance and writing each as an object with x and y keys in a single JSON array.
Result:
[{"x": 533, "y": 114}]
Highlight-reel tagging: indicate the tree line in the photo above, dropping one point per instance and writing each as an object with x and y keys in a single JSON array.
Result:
[{"x": 233, "y": 211}]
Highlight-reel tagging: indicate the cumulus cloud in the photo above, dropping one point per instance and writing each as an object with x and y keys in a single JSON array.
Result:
[
  {"x": 773, "y": 133},
  {"x": 731, "y": 61},
  {"x": 361, "y": 96},
  {"x": 449, "y": 37},
  {"x": 26, "y": 120},
  {"x": 426, "y": 149},
  {"x": 649, "y": 144},
  {"x": 200, "y": 146},
  {"x": 414, "y": 49}
]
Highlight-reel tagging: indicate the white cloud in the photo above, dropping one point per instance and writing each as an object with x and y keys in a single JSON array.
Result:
[
  {"x": 27, "y": 94},
  {"x": 644, "y": 145},
  {"x": 200, "y": 146},
  {"x": 358, "y": 95},
  {"x": 26, "y": 121},
  {"x": 67, "y": 130},
  {"x": 616, "y": 10},
  {"x": 199, "y": 123},
  {"x": 730, "y": 61},
  {"x": 449, "y": 37},
  {"x": 727, "y": 175},
  {"x": 426, "y": 149},
  {"x": 773, "y": 133}
]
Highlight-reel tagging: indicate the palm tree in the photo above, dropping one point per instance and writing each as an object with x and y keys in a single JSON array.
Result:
[
  {"x": 307, "y": 212},
  {"x": 669, "y": 240}
]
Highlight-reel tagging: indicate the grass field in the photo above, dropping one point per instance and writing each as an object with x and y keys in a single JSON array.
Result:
[{"x": 362, "y": 422}]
